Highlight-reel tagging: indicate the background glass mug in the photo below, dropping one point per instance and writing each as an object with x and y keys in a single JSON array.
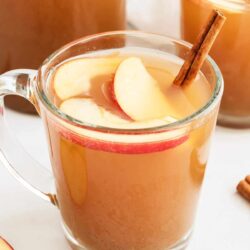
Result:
[
  {"x": 108, "y": 198},
  {"x": 31, "y": 30},
  {"x": 231, "y": 51}
]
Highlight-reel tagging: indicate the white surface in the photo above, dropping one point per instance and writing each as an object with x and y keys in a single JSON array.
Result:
[
  {"x": 157, "y": 16},
  {"x": 26, "y": 221},
  {"x": 223, "y": 221}
]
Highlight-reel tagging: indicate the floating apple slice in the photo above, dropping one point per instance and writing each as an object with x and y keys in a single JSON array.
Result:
[
  {"x": 112, "y": 97},
  {"x": 86, "y": 110},
  {"x": 123, "y": 147},
  {"x": 138, "y": 93},
  {"x": 74, "y": 77},
  {"x": 4, "y": 245}
]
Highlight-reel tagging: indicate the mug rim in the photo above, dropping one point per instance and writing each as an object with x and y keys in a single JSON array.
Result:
[
  {"x": 223, "y": 3},
  {"x": 203, "y": 111}
]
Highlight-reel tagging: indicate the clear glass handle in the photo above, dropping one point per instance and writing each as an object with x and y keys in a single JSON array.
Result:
[{"x": 12, "y": 155}]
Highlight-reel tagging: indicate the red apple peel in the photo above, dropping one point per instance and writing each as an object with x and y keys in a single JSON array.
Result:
[{"x": 123, "y": 148}]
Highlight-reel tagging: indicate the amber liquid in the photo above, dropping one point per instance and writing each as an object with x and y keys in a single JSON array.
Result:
[
  {"x": 145, "y": 201},
  {"x": 231, "y": 50},
  {"x": 31, "y": 30}
]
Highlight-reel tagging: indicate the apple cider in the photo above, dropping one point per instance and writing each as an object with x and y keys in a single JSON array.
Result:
[
  {"x": 231, "y": 52},
  {"x": 132, "y": 186}
]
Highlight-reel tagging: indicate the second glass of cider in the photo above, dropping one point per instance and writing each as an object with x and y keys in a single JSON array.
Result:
[{"x": 231, "y": 52}]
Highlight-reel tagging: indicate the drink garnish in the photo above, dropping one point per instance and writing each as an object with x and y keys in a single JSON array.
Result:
[{"x": 200, "y": 49}]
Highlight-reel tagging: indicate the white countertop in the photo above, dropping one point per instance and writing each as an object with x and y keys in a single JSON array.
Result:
[{"x": 223, "y": 221}]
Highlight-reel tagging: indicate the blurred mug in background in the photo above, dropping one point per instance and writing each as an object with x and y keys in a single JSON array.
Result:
[
  {"x": 231, "y": 51},
  {"x": 31, "y": 30}
]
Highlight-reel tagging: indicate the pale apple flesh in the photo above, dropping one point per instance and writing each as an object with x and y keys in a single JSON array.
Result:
[
  {"x": 87, "y": 111},
  {"x": 113, "y": 98},
  {"x": 138, "y": 93},
  {"x": 4, "y": 245},
  {"x": 74, "y": 78}
]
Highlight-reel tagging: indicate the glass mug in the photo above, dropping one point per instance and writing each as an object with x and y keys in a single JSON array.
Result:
[
  {"x": 231, "y": 51},
  {"x": 110, "y": 197}
]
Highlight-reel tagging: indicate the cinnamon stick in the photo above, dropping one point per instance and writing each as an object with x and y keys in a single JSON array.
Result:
[
  {"x": 200, "y": 49},
  {"x": 244, "y": 188}
]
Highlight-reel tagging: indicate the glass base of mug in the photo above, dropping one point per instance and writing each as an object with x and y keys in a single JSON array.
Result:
[
  {"x": 183, "y": 243},
  {"x": 180, "y": 245},
  {"x": 233, "y": 121},
  {"x": 74, "y": 244}
]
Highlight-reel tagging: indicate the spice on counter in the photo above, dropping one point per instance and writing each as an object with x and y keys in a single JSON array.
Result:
[{"x": 244, "y": 188}]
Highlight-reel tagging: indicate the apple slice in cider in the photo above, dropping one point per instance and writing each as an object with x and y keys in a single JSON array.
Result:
[
  {"x": 73, "y": 78},
  {"x": 138, "y": 93},
  {"x": 123, "y": 148},
  {"x": 85, "y": 110}
]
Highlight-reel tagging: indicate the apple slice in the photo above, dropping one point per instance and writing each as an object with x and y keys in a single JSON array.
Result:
[
  {"x": 138, "y": 93},
  {"x": 73, "y": 78},
  {"x": 4, "y": 245},
  {"x": 86, "y": 110},
  {"x": 123, "y": 148}
]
